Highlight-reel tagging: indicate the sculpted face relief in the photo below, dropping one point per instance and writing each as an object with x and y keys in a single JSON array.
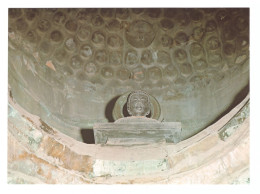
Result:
[{"x": 138, "y": 104}]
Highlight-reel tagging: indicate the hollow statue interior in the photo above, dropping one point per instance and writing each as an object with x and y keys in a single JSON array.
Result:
[{"x": 71, "y": 70}]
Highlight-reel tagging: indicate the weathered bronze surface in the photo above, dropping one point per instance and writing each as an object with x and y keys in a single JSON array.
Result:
[
  {"x": 138, "y": 103},
  {"x": 68, "y": 65},
  {"x": 152, "y": 106},
  {"x": 137, "y": 128},
  {"x": 132, "y": 133}
]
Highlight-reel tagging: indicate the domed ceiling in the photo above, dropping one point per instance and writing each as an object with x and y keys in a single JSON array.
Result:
[{"x": 69, "y": 66}]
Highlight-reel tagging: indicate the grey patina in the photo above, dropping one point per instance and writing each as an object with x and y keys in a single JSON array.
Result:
[{"x": 137, "y": 128}]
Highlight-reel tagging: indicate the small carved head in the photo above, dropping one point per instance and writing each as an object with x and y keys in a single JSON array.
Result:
[{"x": 138, "y": 103}]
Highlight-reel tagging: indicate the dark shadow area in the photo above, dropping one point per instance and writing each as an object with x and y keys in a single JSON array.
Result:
[
  {"x": 109, "y": 109},
  {"x": 238, "y": 98},
  {"x": 125, "y": 112},
  {"x": 149, "y": 115},
  {"x": 88, "y": 136}
]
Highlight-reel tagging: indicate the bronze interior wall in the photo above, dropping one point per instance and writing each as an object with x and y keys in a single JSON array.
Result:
[{"x": 69, "y": 65}]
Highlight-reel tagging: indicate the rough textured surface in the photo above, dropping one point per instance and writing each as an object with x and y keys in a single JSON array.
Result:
[
  {"x": 140, "y": 132},
  {"x": 68, "y": 66},
  {"x": 234, "y": 123},
  {"x": 36, "y": 155}
]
